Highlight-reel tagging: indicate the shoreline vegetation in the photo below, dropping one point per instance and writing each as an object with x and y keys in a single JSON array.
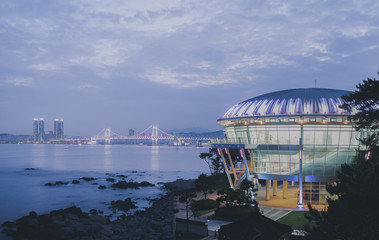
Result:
[{"x": 155, "y": 222}]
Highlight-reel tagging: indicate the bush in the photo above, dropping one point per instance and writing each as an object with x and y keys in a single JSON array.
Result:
[
  {"x": 234, "y": 212},
  {"x": 203, "y": 204},
  {"x": 219, "y": 181}
]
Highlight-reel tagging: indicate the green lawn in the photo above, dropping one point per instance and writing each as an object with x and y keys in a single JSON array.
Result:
[
  {"x": 295, "y": 219},
  {"x": 199, "y": 213}
]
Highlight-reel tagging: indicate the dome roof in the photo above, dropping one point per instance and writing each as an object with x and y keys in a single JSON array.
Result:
[{"x": 291, "y": 102}]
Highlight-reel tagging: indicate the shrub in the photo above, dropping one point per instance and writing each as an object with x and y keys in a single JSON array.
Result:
[
  {"x": 234, "y": 212},
  {"x": 203, "y": 204}
]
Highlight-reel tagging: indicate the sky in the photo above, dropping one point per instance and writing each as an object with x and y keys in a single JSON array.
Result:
[{"x": 179, "y": 64}]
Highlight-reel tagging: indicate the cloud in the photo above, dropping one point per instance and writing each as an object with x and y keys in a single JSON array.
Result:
[
  {"x": 182, "y": 80},
  {"x": 45, "y": 67},
  {"x": 103, "y": 53},
  {"x": 262, "y": 61},
  {"x": 89, "y": 87},
  {"x": 20, "y": 82},
  {"x": 202, "y": 43}
]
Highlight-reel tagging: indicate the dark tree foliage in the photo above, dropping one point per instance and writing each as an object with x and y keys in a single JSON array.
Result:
[
  {"x": 366, "y": 101},
  {"x": 203, "y": 183},
  {"x": 231, "y": 197},
  {"x": 246, "y": 185},
  {"x": 353, "y": 212},
  {"x": 213, "y": 160}
]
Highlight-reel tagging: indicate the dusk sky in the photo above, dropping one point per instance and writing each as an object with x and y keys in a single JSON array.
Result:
[{"x": 178, "y": 64}]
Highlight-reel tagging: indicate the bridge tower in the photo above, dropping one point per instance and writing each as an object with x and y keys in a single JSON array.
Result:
[
  {"x": 154, "y": 135},
  {"x": 107, "y": 136}
]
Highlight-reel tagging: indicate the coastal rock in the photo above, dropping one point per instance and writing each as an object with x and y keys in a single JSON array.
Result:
[
  {"x": 146, "y": 184},
  {"x": 102, "y": 187},
  {"x": 87, "y": 179},
  {"x": 131, "y": 184},
  {"x": 75, "y": 182},
  {"x": 125, "y": 185},
  {"x": 121, "y": 176},
  {"x": 157, "y": 222},
  {"x": 56, "y": 183},
  {"x": 125, "y": 205}
]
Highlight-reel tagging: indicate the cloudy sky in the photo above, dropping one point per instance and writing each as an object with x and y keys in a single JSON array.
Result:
[{"x": 179, "y": 64}]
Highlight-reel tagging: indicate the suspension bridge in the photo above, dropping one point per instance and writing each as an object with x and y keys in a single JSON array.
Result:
[{"x": 152, "y": 133}]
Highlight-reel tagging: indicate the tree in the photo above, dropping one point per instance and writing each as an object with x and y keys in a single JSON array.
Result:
[
  {"x": 246, "y": 185},
  {"x": 353, "y": 212},
  {"x": 203, "y": 183},
  {"x": 187, "y": 198},
  {"x": 365, "y": 100},
  {"x": 233, "y": 197},
  {"x": 213, "y": 160}
]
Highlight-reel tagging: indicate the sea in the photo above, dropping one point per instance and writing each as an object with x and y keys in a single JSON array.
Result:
[{"x": 26, "y": 168}]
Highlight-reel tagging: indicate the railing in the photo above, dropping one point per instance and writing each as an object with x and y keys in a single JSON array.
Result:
[{"x": 230, "y": 141}]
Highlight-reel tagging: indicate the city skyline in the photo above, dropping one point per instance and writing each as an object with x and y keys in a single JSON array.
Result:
[{"x": 178, "y": 64}]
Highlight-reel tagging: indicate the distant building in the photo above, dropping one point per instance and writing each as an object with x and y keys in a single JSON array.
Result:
[
  {"x": 35, "y": 130},
  {"x": 58, "y": 129},
  {"x": 131, "y": 132},
  {"x": 41, "y": 130},
  {"x": 50, "y": 136}
]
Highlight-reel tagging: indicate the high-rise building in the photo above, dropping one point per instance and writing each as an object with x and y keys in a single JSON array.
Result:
[
  {"x": 131, "y": 132},
  {"x": 41, "y": 130},
  {"x": 62, "y": 135},
  {"x": 35, "y": 130},
  {"x": 58, "y": 128}
]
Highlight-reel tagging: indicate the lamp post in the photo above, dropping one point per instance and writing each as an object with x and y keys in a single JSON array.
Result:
[{"x": 300, "y": 205}]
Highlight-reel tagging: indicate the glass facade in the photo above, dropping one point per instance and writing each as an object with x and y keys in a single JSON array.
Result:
[
  {"x": 58, "y": 129},
  {"x": 326, "y": 144},
  {"x": 275, "y": 130},
  {"x": 35, "y": 130}
]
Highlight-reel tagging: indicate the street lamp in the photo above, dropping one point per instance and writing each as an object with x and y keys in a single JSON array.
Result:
[{"x": 300, "y": 205}]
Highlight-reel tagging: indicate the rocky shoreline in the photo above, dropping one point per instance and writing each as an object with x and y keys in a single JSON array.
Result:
[{"x": 156, "y": 222}]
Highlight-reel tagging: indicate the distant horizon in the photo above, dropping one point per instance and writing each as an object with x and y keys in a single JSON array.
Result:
[{"x": 183, "y": 130}]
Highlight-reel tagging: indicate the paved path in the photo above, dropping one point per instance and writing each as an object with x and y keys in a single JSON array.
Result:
[{"x": 274, "y": 213}]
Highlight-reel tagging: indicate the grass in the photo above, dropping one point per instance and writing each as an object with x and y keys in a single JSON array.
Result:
[
  {"x": 198, "y": 213},
  {"x": 295, "y": 219}
]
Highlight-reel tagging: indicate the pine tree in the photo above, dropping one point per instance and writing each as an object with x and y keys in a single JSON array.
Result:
[{"x": 352, "y": 212}]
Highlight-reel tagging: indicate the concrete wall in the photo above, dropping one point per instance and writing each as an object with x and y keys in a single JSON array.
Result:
[{"x": 200, "y": 228}]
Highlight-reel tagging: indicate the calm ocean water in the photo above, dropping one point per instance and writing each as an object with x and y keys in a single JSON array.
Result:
[{"x": 22, "y": 191}]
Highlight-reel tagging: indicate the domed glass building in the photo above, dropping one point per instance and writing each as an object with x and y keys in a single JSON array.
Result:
[{"x": 275, "y": 132}]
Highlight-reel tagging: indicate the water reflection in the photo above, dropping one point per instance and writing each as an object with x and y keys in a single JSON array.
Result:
[
  {"x": 154, "y": 158},
  {"x": 107, "y": 157},
  {"x": 38, "y": 158}
]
